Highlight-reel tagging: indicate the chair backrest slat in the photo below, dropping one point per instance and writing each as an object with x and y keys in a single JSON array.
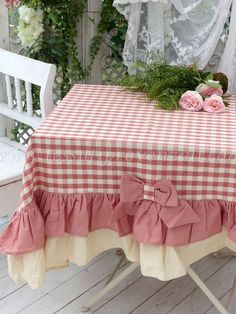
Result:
[
  {"x": 9, "y": 91},
  {"x": 29, "y": 100},
  {"x": 18, "y": 96},
  {"x": 26, "y": 71}
]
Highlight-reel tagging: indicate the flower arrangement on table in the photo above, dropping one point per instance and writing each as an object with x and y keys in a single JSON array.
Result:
[{"x": 175, "y": 87}]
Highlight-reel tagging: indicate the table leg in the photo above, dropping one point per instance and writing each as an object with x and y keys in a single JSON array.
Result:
[
  {"x": 206, "y": 291},
  {"x": 123, "y": 257},
  {"x": 94, "y": 299}
]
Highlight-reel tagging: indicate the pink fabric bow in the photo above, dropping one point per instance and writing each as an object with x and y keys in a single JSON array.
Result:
[
  {"x": 133, "y": 189},
  {"x": 153, "y": 221}
]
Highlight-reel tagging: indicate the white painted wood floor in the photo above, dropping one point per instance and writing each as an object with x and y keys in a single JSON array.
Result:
[{"x": 65, "y": 289}]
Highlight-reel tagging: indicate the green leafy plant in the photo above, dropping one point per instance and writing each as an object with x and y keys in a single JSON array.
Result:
[
  {"x": 113, "y": 23},
  {"x": 166, "y": 83},
  {"x": 57, "y": 44}
]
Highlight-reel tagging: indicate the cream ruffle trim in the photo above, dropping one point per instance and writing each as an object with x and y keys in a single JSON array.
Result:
[{"x": 162, "y": 262}]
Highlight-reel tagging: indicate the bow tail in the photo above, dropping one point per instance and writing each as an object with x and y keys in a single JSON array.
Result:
[
  {"x": 178, "y": 216},
  {"x": 148, "y": 227}
]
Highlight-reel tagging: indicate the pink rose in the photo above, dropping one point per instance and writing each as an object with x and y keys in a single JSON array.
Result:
[
  {"x": 191, "y": 100},
  {"x": 214, "y": 104},
  {"x": 207, "y": 91}
]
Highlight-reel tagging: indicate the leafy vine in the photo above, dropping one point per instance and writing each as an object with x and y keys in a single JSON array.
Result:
[
  {"x": 57, "y": 44},
  {"x": 111, "y": 22}
]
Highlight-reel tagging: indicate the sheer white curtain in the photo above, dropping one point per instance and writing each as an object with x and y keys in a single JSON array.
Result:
[
  {"x": 186, "y": 31},
  {"x": 228, "y": 60}
]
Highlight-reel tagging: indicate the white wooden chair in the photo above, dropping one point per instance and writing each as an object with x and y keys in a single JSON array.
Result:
[{"x": 19, "y": 73}]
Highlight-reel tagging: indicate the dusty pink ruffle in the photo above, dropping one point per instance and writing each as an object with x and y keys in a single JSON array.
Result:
[
  {"x": 229, "y": 218},
  {"x": 24, "y": 233},
  {"x": 52, "y": 214},
  {"x": 76, "y": 214}
]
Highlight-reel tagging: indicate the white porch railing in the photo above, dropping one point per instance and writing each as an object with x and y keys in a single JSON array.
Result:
[{"x": 4, "y": 43}]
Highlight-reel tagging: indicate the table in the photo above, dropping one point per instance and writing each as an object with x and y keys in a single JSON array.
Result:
[{"x": 106, "y": 169}]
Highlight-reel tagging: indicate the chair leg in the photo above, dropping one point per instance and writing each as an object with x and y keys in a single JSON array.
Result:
[
  {"x": 206, "y": 291},
  {"x": 94, "y": 299}
]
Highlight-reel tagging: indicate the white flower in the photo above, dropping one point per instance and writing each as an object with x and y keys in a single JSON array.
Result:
[
  {"x": 30, "y": 25},
  {"x": 26, "y": 13}
]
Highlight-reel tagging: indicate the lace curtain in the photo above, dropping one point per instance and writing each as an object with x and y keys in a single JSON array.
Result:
[{"x": 185, "y": 31}]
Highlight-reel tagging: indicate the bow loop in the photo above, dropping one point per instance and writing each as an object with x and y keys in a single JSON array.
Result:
[{"x": 131, "y": 189}]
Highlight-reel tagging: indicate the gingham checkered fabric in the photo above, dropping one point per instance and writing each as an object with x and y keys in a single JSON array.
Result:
[
  {"x": 148, "y": 192},
  {"x": 99, "y": 133}
]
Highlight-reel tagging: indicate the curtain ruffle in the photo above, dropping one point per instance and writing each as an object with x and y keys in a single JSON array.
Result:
[{"x": 54, "y": 215}]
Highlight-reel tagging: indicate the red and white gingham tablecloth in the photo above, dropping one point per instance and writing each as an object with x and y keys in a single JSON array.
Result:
[{"x": 99, "y": 133}]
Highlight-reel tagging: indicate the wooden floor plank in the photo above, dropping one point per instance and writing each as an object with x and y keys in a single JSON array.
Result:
[
  {"x": 3, "y": 267},
  {"x": 223, "y": 300},
  {"x": 132, "y": 296},
  {"x": 82, "y": 282},
  {"x": 2, "y": 256},
  {"x": 174, "y": 291},
  {"x": 3, "y": 262},
  {"x": 67, "y": 290},
  {"x": 46, "y": 305},
  {"x": 56, "y": 278},
  {"x": 18, "y": 297},
  {"x": 17, "y": 300},
  {"x": 219, "y": 283},
  {"x": 74, "y": 306},
  {"x": 7, "y": 287}
]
